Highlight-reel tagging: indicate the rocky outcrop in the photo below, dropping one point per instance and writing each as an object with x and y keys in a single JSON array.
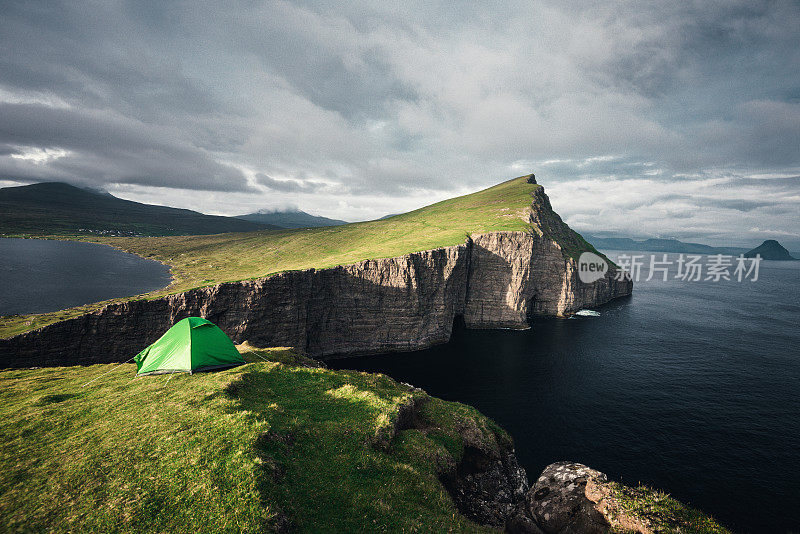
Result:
[
  {"x": 487, "y": 482},
  {"x": 569, "y": 497},
  {"x": 481, "y": 473},
  {"x": 563, "y": 500},
  {"x": 498, "y": 279}
]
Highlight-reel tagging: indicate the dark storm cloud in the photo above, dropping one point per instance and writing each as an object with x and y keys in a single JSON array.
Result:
[
  {"x": 698, "y": 201},
  {"x": 286, "y": 186},
  {"x": 106, "y": 145},
  {"x": 738, "y": 204},
  {"x": 7, "y": 150},
  {"x": 332, "y": 101}
]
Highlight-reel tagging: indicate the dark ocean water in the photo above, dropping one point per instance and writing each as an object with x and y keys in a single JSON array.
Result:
[
  {"x": 691, "y": 387},
  {"x": 38, "y": 275}
]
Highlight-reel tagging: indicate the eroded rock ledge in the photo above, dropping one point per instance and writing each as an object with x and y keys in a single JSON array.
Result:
[
  {"x": 482, "y": 475},
  {"x": 569, "y": 497},
  {"x": 493, "y": 280}
]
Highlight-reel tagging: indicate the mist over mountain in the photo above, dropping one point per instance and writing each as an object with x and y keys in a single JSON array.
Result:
[{"x": 290, "y": 218}]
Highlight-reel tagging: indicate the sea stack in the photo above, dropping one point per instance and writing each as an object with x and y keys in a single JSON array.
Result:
[{"x": 770, "y": 250}]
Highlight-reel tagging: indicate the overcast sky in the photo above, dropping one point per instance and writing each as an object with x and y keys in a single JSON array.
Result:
[{"x": 640, "y": 118}]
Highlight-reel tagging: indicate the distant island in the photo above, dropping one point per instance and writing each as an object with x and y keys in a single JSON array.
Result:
[
  {"x": 770, "y": 250},
  {"x": 660, "y": 245}
]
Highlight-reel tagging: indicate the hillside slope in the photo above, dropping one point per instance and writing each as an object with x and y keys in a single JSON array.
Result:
[
  {"x": 279, "y": 444},
  {"x": 56, "y": 208},
  {"x": 290, "y": 219},
  {"x": 208, "y": 260},
  {"x": 262, "y": 447}
]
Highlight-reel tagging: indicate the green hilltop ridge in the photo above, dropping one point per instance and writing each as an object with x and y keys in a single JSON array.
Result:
[
  {"x": 206, "y": 260},
  {"x": 198, "y": 261},
  {"x": 770, "y": 250},
  {"x": 278, "y": 444},
  {"x": 56, "y": 209}
]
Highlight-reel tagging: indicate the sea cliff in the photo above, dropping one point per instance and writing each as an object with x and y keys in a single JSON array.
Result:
[{"x": 493, "y": 280}]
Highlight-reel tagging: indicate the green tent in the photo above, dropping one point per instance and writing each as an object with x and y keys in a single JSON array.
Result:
[{"x": 192, "y": 344}]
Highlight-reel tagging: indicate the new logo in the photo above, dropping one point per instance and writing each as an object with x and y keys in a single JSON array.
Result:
[{"x": 591, "y": 267}]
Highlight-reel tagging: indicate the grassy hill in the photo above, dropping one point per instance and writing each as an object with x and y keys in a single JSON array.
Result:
[
  {"x": 205, "y": 260},
  {"x": 261, "y": 446},
  {"x": 278, "y": 444},
  {"x": 290, "y": 219},
  {"x": 56, "y": 208},
  {"x": 208, "y": 260}
]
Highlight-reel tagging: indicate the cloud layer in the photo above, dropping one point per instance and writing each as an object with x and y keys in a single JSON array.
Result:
[{"x": 638, "y": 117}]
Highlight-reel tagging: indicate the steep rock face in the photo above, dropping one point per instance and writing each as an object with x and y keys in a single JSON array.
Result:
[
  {"x": 482, "y": 474},
  {"x": 382, "y": 305},
  {"x": 487, "y": 484},
  {"x": 498, "y": 279},
  {"x": 518, "y": 275}
]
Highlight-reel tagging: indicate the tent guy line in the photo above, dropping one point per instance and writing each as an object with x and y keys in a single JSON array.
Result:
[
  {"x": 256, "y": 355},
  {"x": 104, "y": 374}
]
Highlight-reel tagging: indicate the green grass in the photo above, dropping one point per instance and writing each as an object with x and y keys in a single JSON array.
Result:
[
  {"x": 279, "y": 442},
  {"x": 660, "y": 512},
  {"x": 198, "y": 261},
  {"x": 244, "y": 450}
]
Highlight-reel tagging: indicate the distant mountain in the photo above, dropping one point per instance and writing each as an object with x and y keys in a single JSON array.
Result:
[
  {"x": 290, "y": 219},
  {"x": 59, "y": 208},
  {"x": 659, "y": 245},
  {"x": 770, "y": 250}
]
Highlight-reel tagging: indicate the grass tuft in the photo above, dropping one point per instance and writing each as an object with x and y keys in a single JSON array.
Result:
[{"x": 660, "y": 512}]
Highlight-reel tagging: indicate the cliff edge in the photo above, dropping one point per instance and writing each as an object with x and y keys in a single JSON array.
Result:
[
  {"x": 495, "y": 279},
  {"x": 283, "y": 444},
  {"x": 571, "y": 497}
]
